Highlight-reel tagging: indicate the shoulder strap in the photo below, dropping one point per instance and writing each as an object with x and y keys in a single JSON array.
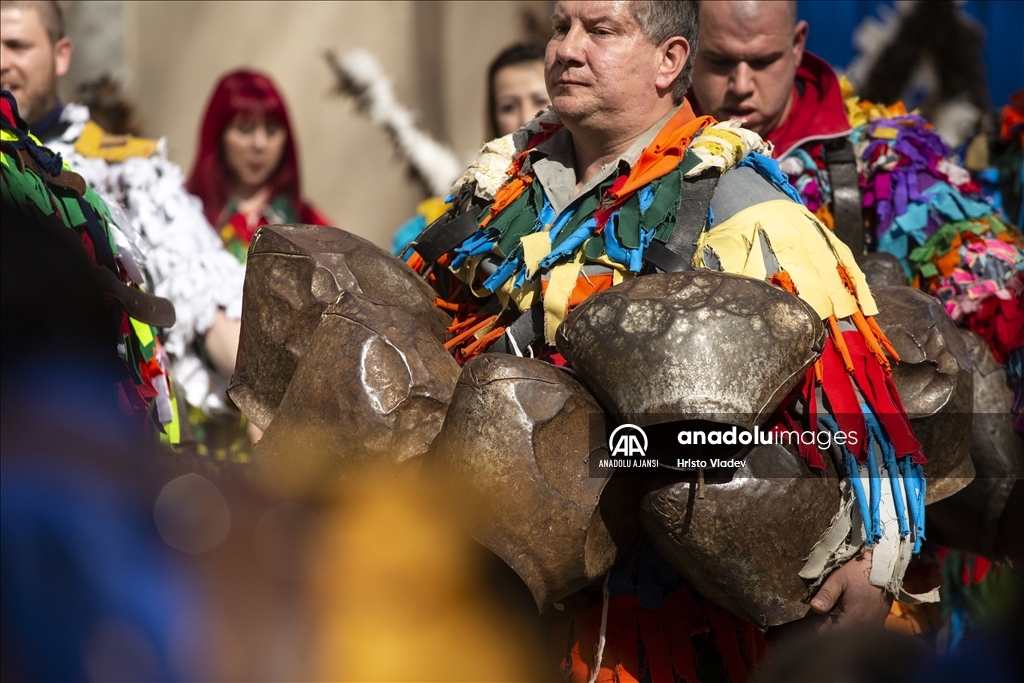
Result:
[
  {"x": 691, "y": 217},
  {"x": 846, "y": 202}
]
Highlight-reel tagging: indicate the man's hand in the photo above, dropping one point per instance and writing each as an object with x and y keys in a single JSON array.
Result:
[{"x": 847, "y": 597}]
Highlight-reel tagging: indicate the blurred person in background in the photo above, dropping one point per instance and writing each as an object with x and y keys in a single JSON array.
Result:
[
  {"x": 246, "y": 169},
  {"x": 516, "y": 91},
  {"x": 516, "y": 94},
  {"x": 162, "y": 226}
]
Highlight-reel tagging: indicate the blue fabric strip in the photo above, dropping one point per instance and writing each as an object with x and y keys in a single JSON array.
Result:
[{"x": 769, "y": 169}]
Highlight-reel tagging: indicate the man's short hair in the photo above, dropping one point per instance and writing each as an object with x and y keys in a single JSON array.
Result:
[
  {"x": 49, "y": 12},
  {"x": 663, "y": 19}
]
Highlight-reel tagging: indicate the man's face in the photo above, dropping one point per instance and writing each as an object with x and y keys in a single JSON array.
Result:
[
  {"x": 747, "y": 62},
  {"x": 599, "y": 67},
  {"x": 29, "y": 63}
]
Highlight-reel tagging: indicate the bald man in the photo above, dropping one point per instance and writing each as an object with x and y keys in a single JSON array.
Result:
[{"x": 752, "y": 65}]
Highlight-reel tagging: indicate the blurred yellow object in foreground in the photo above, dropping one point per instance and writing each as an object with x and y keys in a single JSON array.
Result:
[{"x": 399, "y": 594}]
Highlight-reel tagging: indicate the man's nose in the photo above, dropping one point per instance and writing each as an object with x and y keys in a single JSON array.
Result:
[
  {"x": 741, "y": 84},
  {"x": 570, "y": 48}
]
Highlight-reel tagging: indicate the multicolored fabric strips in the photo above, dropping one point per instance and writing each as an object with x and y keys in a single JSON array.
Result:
[
  {"x": 931, "y": 214},
  {"x": 30, "y": 187}
]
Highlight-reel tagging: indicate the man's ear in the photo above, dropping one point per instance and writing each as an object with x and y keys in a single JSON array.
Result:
[
  {"x": 62, "y": 56},
  {"x": 673, "y": 54},
  {"x": 799, "y": 40}
]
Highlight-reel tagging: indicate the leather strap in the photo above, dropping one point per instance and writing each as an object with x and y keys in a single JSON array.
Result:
[
  {"x": 691, "y": 217},
  {"x": 521, "y": 333},
  {"x": 445, "y": 234},
  {"x": 846, "y": 201},
  {"x": 142, "y": 306}
]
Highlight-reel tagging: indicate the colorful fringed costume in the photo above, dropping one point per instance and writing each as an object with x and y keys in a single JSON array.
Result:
[
  {"x": 921, "y": 206},
  {"x": 927, "y": 211},
  {"x": 536, "y": 248},
  {"x": 39, "y": 183}
]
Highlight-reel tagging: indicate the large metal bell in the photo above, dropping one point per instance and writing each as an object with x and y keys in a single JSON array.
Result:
[
  {"x": 293, "y": 274},
  {"x": 935, "y": 382},
  {"x": 518, "y": 440},
  {"x": 372, "y": 389},
  {"x": 692, "y": 345},
  {"x": 742, "y": 541},
  {"x": 974, "y": 519},
  {"x": 882, "y": 269}
]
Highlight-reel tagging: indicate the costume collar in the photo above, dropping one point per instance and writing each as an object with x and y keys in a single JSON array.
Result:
[
  {"x": 818, "y": 111},
  {"x": 50, "y": 126},
  {"x": 553, "y": 160}
]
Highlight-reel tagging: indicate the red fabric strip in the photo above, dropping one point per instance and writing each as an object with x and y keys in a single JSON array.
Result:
[{"x": 659, "y": 660}]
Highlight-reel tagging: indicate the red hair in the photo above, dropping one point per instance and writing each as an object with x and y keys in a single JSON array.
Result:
[{"x": 251, "y": 95}]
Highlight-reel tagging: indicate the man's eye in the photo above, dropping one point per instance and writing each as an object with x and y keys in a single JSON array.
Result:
[{"x": 760, "y": 64}]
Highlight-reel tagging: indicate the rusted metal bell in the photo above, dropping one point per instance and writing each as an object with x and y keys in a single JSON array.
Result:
[
  {"x": 699, "y": 344},
  {"x": 293, "y": 273},
  {"x": 882, "y": 270},
  {"x": 935, "y": 382},
  {"x": 517, "y": 440},
  {"x": 743, "y": 544},
  {"x": 970, "y": 519},
  {"x": 372, "y": 388}
]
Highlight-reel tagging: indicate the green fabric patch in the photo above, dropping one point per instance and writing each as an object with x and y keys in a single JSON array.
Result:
[
  {"x": 627, "y": 227},
  {"x": 690, "y": 160},
  {"x": 594, "y": 247},
  {"x": 73, "y": 214},
  {"x": 521, "y": 221},
  {"x": 666, "y": 199}
]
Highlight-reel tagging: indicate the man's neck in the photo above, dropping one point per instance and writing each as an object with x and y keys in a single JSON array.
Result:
[
  {"x": 41, "y": 126},
  {"x": 595, "y": 148}
]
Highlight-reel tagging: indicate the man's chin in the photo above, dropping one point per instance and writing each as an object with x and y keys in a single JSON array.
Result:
[{"x": 570, "y": 108}]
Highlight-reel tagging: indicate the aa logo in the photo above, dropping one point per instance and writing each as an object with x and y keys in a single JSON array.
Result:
[{"x": 628, "y": 440}]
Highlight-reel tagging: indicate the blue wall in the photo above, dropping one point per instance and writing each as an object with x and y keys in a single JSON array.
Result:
[{"x": 833, "y": 22}]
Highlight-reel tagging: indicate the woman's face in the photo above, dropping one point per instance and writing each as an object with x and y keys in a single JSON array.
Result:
[
  {"x": 253, "y": 149},
  {"x": 519, "y": 94}
]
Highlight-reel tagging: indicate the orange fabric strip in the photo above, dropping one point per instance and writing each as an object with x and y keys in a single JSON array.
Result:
[
  {"x": 948, "y": 262},
  {"x": 824, "y": 215},
  {"x": 782, "y": 280},
  {"x": 869, "y": 338},
  {"x": 666, "y": 150},
  {"x": 844, "y": 275},
  {"x": 468, "y": 333},
  {"x": 483, "y": 341},
  {"x": 837, "y": 339},
  {"x": 883, "y": 340}
]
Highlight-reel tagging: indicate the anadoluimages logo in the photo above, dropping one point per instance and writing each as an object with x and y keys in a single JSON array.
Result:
[{"x": 628, "y": 447}]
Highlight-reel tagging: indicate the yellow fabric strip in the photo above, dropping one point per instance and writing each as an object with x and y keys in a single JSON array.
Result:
[
  {"x": 144, "y": 331},
  {"x": 536, "y": 246},
  {"x": 801, "y": 245},
  {"x": 95, "y": 142},
  {"x": 556, "y": 298},
  {"x": 845, "y": 256},
  {"x": 173, "y": 428}
]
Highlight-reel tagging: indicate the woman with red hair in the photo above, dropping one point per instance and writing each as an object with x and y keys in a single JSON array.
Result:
[{"x": 246, "y": 171}]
